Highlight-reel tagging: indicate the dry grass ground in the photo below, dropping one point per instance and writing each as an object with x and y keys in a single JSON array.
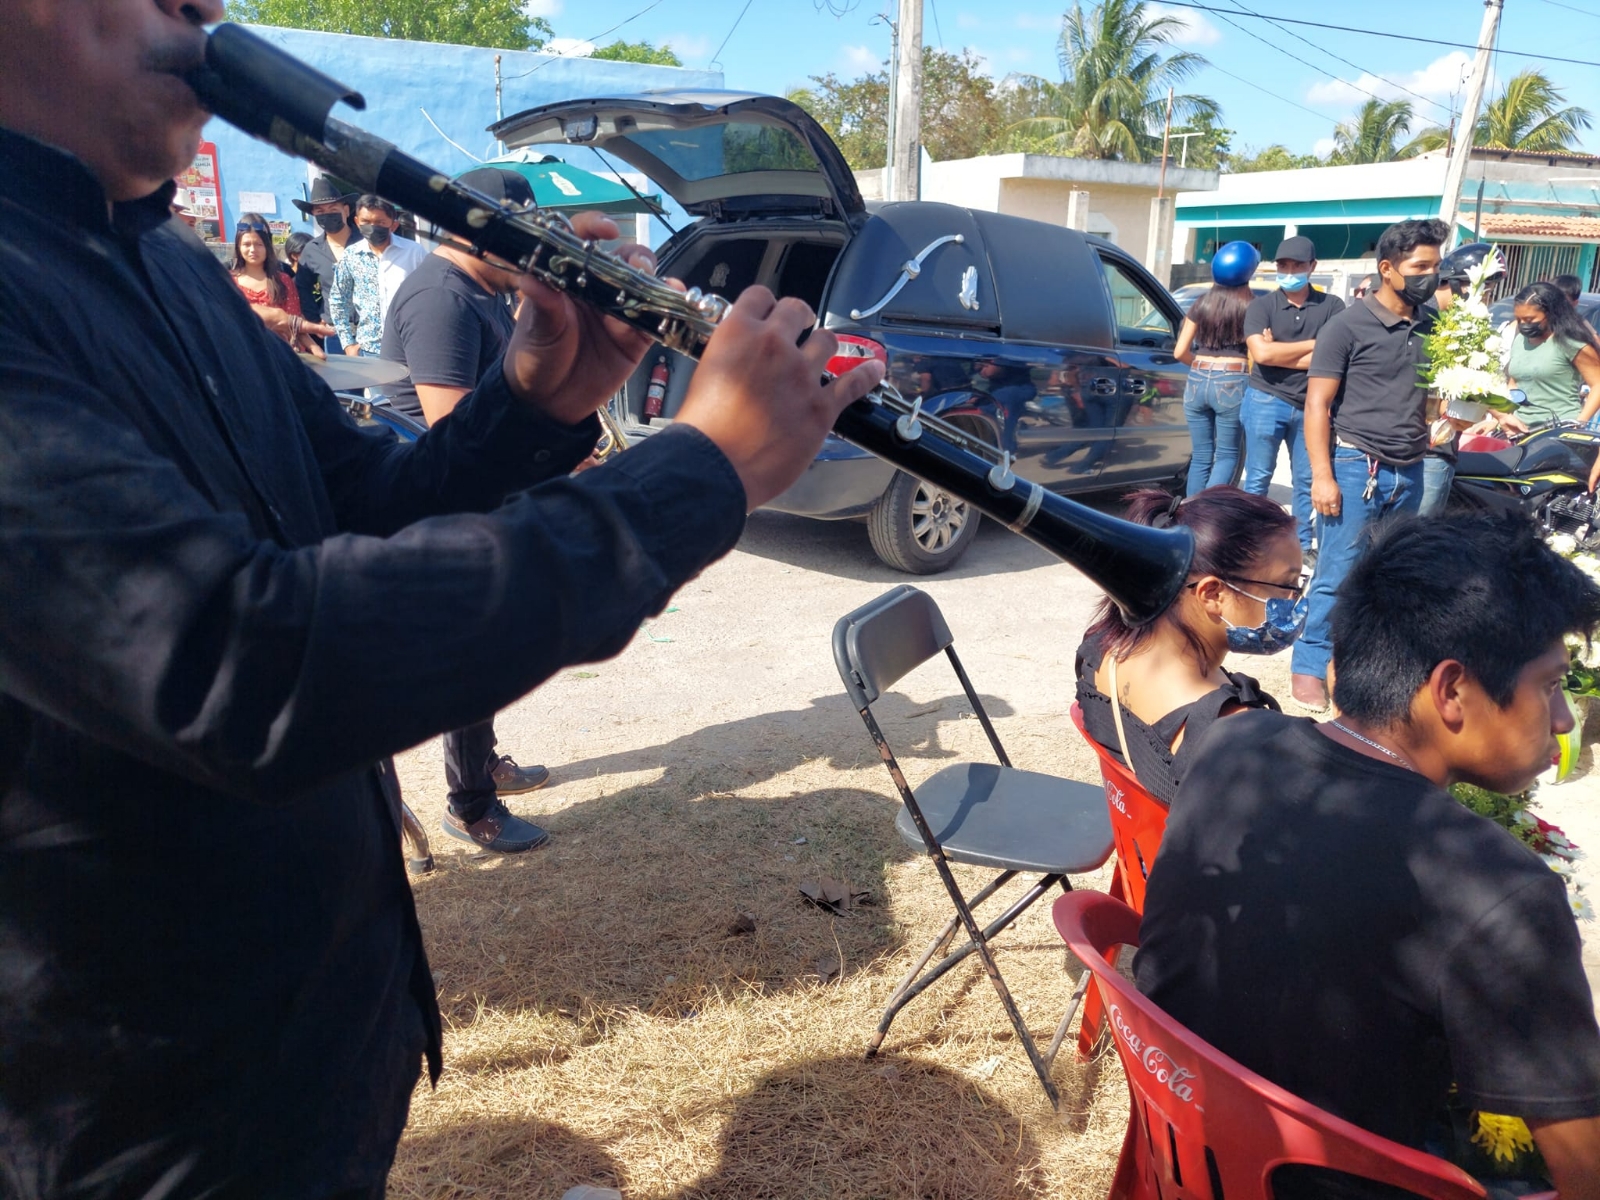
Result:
[{"x": 606, "y": 1024}]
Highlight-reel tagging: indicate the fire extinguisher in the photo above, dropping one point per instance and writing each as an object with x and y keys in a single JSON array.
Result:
[{"x": 655, "y": 397}]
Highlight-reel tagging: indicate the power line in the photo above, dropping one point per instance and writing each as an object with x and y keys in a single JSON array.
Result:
[
  {"x": 934, "y": 4},
  {"x": 595, "y": 38},
  {"x": 1274, "y": 95},
  {"x": 1570, "y": 8},
  {"x": 1321, "y": 50},
  {"x": 1397, "y": 37},
  {"x": 736, "y": 20}
]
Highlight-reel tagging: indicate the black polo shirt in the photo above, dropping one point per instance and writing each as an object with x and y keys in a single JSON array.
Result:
[
  {"x": 1345, "y": 928},
  {"x": 1376, "y": 356},
  {"x": 1288, "y": 322}
]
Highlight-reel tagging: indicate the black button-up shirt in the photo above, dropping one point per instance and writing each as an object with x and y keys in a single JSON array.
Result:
[{"x": 211, "y": 584}]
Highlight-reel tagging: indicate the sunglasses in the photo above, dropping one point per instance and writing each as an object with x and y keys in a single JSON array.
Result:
[
  {"x": 1295, "y": 590},
  {"x": 251, "y": 228}
]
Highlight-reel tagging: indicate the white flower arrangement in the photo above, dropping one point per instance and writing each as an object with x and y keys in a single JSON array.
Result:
[{"x": 1462, "y": 351}]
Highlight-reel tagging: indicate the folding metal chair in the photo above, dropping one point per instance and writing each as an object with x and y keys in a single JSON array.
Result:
[{"x": 1018, "y": 822}]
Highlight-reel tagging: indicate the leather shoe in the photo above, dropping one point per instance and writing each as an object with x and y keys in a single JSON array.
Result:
[
  {"x": 498, "y": 830},
  {"x": 1309, "y": 692},
  {"x": 512, "y": 780}
]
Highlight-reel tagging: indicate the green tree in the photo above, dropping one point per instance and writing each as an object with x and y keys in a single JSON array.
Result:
[
  {"x": 961, "y": 115},
  {"x": 1270, "y": 158},
  {"x": 1373, "y": 134},
  {"x": 639, "y": 52},
  {"x": 1211, "y": 150},
  {"x": 499, "y": 23},
  {"x": 1527, "y": 115},
  {"x": 1112, "y": 98}
]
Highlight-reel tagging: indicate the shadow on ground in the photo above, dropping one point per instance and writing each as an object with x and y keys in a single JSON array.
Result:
[
  {"x": 655, "y": 901},
  {"x": 849, "y": 1127},
  {"x": 735, "y": 754}
]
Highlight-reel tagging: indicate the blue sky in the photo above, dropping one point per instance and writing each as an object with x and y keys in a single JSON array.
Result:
[{"x": 778, "y": 43}]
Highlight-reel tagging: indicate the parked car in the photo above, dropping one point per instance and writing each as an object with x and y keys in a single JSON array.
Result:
[
  {"x": 1190, "y": 292},
  {"x": 1588, "y": 307},
  {"x": 1053, "y": 344}
]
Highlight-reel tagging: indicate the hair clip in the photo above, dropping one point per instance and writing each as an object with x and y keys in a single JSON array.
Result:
[{"x": 1163, "y": 519}]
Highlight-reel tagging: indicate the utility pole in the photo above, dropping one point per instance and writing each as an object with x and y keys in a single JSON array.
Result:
[
  {"x": 1166, "y": 139},
  {"x": 894, "y": 92},
  {"x": 905, "y": 103},
  {"x": 1456, "y": 175}
]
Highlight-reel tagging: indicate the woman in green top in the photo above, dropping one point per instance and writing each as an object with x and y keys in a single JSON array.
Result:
[{"x": 1553, "y": 355}]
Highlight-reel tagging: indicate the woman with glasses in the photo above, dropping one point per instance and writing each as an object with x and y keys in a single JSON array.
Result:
[
  {"x": 256, "y": 269},
  {"x": 1150, "y": 692}
]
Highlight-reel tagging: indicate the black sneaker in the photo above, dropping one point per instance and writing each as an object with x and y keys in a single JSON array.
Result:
[
  {"x": 498, "y": 830},
  {"x": 512, "y": 780}
]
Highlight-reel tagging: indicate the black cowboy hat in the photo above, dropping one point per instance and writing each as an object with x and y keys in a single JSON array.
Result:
[{"x": 325, "y": 191}]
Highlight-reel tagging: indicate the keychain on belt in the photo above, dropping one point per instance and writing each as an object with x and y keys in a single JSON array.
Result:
[{"x": 1371, "y": 489}]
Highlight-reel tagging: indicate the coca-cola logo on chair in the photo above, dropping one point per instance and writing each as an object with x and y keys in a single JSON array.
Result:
[
  {"x": 1114, "y": 798},
  {"x": 1156, "y": 1060}
]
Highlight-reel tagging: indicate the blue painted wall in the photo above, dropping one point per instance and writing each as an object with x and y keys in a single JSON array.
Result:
[{"x": 455, "y": 84}]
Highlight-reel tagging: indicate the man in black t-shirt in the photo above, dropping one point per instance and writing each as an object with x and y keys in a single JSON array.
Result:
[
  {"x": 1324, "y": 912},
  {"x": 1365, "y": 427},
  {"x": 449, "y": 322},
  {"x": 1281, "y": 328}
]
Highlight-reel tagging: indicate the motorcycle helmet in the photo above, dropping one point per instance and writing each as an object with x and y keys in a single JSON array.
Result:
[
  {"x": 1234, "y": 265},
  {"x": 1454, "y": 266}
]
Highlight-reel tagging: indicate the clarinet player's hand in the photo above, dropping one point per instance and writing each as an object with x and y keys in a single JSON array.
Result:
[
  {"x": 760, "y": 397},
  {"x": 566, "y": 358}
]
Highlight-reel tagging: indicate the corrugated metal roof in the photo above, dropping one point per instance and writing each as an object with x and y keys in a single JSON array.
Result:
[{"x": 1533, "y": 225}]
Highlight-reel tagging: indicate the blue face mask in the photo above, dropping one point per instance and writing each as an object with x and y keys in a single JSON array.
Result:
[
  {"x": 1285, "y": 620},
  {"x": 1293, "y": 283}
]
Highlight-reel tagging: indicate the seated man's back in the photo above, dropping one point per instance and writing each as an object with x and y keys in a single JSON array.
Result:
[
  {"x": 1344, "y": 928},
  {"x": 1323, "y": 911}
]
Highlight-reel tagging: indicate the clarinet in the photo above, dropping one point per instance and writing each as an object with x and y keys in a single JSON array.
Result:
[{"x": 265, "y": 92}]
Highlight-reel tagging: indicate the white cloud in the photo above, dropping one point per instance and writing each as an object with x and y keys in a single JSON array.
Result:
[
  {"x": 1437, "y": 81},
  {"x": 1043, "y": 22},
  {"x": 542, "y": 8},
  {"x": 1196, "y": 31},
  {"x": 859, "y": 60},
  {"x": 690, "y": 47},
  {"x": 564, "y": 47},
  {"x": 968, "y": 20},
  {"x": 1323, "y": 147}
]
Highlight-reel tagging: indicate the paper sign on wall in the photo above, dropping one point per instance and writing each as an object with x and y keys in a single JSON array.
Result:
[{"x": 265, "y": 203}]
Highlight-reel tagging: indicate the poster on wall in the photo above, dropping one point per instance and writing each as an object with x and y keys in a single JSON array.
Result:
[{"x": 203, "y": 178}]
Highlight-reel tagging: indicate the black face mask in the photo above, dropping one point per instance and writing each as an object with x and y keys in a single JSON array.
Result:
[
  {"x": 331, "y": 222},
  {"x": 376, "y": 235},
  {"x": 1419, "y": 289},
  {"x": 1532, "y": 329}
]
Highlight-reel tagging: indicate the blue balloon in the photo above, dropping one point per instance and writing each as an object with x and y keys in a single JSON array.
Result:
[{"x": 1234, "y": 265}]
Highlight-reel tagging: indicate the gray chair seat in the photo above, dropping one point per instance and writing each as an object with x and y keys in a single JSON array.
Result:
[{"x": 1012, "y": 820}]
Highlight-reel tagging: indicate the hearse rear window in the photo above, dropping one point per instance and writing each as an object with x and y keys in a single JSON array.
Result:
[{"x": 735, "y": 148}]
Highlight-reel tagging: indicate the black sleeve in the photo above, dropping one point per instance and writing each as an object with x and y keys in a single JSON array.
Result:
[
  {"x": 305, "y": 283},
  {"x": 141, "y": 614},
  {"x": 1517, "y": 1010},
  {"x": 1331, "y": 357},
  {"x": 1335, "y": 305},
  {"x": 430, "y": 323},
  {"x": 1258, "y": 317}
]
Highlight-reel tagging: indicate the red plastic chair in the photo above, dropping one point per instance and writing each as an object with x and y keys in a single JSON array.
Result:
[
  {"x": 1202, "y": 1127},
  {"x": 1138, "y": 821}
]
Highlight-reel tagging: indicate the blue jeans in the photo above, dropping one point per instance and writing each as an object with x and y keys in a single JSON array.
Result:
[
  {"x": 1340, "y": 539},
  {"x": 1437, "y": 474},
  {"x": 1211, "y": 401},
  {"x": 1268, "y": 423}
]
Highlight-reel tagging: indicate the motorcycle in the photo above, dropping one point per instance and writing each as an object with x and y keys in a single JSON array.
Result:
[{"x": 1543, "y": 474}]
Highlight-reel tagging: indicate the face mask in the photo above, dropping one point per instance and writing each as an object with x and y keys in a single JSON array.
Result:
[
  {"x": 1419, "y": 289},
  {"x": 1293, "y": 283},
  {"x": 1531, "y": 329},
  {"x": 1285, "y": 619},
  {"x": 376, "y": 235},
  {"x": 332, "y": 222}
]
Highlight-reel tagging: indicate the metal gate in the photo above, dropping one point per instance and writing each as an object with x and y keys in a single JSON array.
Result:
[{"x": 1527, "y": 263}]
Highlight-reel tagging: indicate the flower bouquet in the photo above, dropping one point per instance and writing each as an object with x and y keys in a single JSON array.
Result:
[{"x": 1463, "y": 367}]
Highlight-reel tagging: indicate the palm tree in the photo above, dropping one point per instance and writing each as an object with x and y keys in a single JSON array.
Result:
[
  {"x": 1111, "y": 101},
  {"x": 1526, "y": 115},
  {"x": 1372, "y": 135}
]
